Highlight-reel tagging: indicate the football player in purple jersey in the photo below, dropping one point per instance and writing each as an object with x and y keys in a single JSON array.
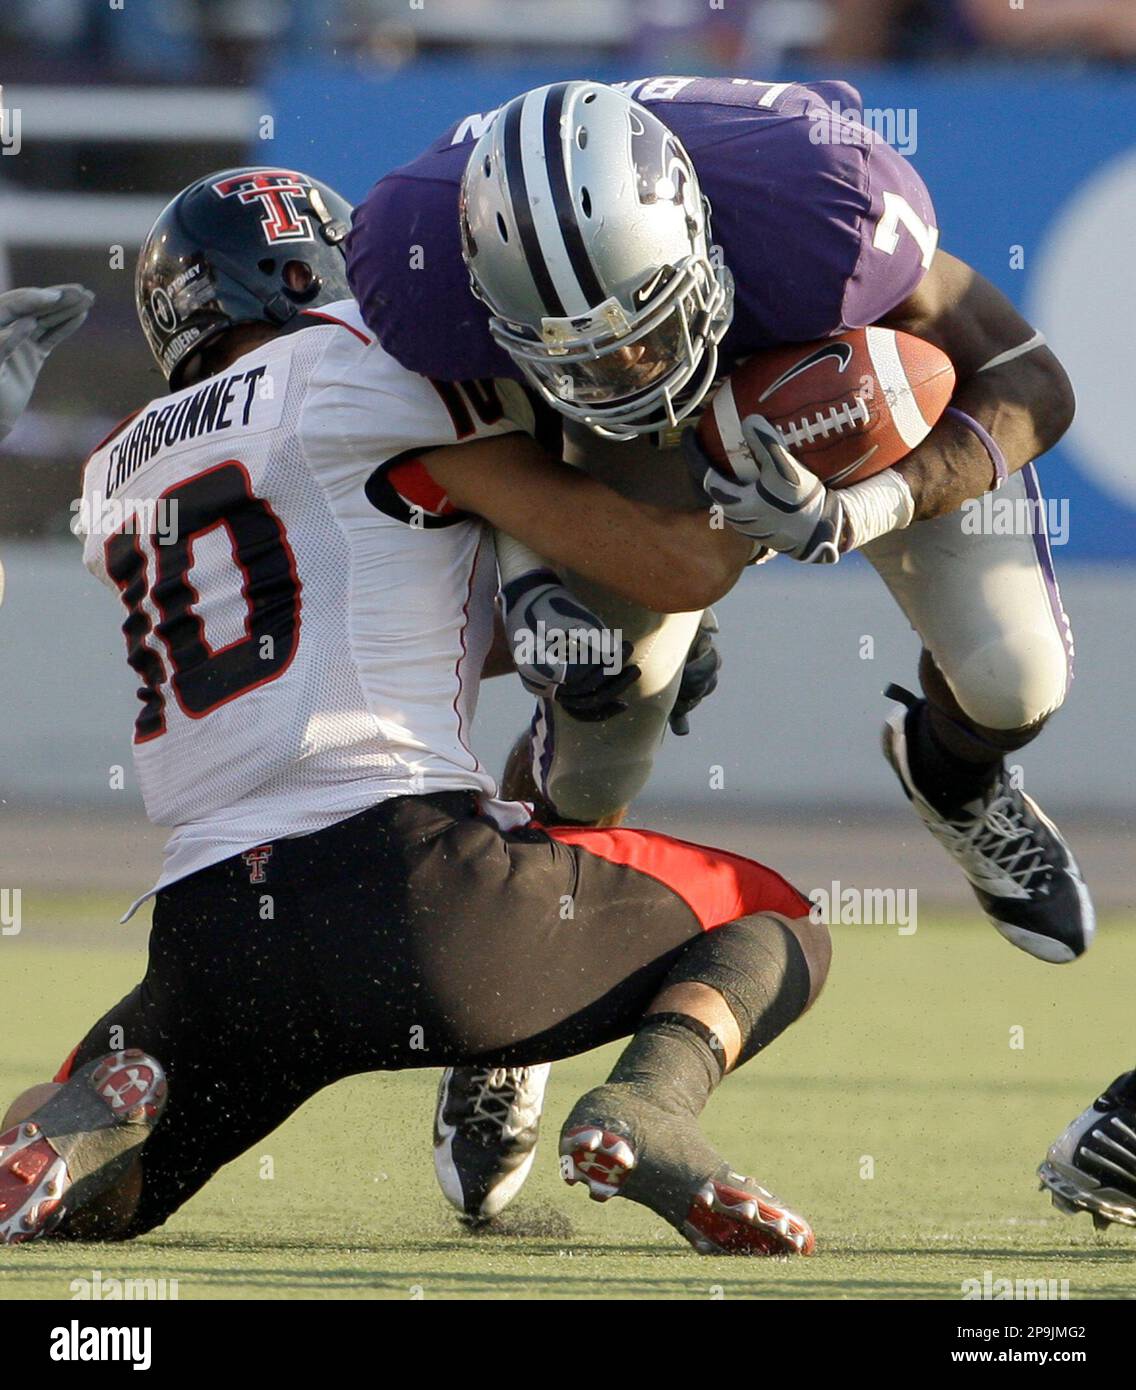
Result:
[{"x": 565, "y": 242}]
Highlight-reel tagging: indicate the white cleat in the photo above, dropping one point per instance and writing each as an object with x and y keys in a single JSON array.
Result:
[{"x": 486, "y": 1127}]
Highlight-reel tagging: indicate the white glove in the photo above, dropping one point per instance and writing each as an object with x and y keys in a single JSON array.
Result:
[
  {"x": 770, "y": 497},
  {"x": 32, "y": 323},
  {"x": 777, "y": 502},
  {"x": 559, "y": 649}
]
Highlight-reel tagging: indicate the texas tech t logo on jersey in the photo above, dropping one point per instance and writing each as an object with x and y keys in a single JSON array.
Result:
[{"x": 274, "y": 189}]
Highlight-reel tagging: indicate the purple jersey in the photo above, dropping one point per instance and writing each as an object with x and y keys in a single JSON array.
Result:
[{"x": 824, "y": 226}]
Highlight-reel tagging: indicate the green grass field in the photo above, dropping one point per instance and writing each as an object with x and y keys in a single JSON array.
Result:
[{"x": 904, "y": 1070}]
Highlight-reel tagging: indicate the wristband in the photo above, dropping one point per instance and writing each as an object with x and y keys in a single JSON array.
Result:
[
  {"x": 988, "y": 442},
  {"x": 874, "y": 507},
  {"x": 515, "y": 559}
]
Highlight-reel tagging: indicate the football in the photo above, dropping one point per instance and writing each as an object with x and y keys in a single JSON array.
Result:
[{"x": 846, "y": 407}]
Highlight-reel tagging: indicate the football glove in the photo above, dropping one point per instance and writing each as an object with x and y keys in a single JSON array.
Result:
[
  {"x": 699, "y": 675},
  {"x": 561, "y": 649},
  {"x": 32, "y": 323},
  {"x": 770, "y": 497}
]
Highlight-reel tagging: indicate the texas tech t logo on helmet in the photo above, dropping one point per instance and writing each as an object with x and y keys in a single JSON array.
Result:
[
  {"x": 247, "y": 245},
  {"x": 275, "y": 189}
]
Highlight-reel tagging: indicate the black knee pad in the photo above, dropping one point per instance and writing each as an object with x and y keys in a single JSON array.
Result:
[{"x": 758, "y": 966}]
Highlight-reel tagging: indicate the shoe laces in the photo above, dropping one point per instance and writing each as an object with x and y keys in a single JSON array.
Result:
[
  {"x": 997, "y": 842},
  {"x": 497, "y": 1101}
]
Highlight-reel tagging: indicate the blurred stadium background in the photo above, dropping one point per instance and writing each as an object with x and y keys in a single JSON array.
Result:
[{"x": 1021, "y": 120}]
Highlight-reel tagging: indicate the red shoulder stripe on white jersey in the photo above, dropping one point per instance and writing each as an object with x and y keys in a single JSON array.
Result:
[
  {"x": 413, "y": 483},
  {"x": 330, "y": 318}
]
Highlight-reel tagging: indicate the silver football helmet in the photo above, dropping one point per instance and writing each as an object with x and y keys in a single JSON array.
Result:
[{"x": 586, "y": 234}]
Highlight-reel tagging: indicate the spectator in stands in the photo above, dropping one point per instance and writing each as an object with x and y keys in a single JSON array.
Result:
[
  {"x": 912, "y": 29},
  {"x": 177, "y": 40},
  {"x": 1104, "y": 29}
]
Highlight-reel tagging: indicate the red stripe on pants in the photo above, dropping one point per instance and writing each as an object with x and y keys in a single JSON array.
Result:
[{"x": 717, "y": 886}]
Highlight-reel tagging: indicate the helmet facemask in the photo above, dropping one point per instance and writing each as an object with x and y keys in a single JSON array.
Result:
[
  {"x": 624, "y": 378},
  {"x": 587, "y": 237}
]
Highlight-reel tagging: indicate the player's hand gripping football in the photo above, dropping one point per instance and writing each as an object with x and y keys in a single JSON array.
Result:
[
  {"x": 32, "y": 323},
  {"x": 770, "y": 497},
  {"x": 562, "y": 651}
]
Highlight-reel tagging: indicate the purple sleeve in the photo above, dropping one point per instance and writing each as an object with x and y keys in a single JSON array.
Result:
[
  {"x": 898, "y": 237},
  {"x": 405, "y": 268},
  {"x": 799, "y": 194},
  {"x": 823, "y": 224}
]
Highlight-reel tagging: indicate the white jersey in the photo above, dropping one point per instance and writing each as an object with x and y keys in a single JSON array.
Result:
[{"x": 308, "y": 640}]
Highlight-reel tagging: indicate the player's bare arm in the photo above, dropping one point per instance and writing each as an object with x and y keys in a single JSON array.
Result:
[
  {"x": 1025, "y": 403},
  {"x": 670, "y": 562}
]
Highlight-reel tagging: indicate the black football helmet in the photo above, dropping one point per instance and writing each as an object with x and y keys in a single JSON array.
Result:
[{"x": 254, "y": 245}]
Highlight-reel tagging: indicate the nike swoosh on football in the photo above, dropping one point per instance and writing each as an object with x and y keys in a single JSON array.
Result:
[{"x": 841, "y": 351}]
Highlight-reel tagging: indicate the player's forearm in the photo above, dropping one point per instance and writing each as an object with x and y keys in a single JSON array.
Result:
[
  {"x": 1025, "y": 403},
  {"x": 662, "y": 560},
  {"x": 668, "y": 562},
  {"x": 1024, "y": 406}
]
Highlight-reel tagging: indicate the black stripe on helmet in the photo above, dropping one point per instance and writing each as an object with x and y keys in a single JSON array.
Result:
[
  {"x": 562, "y": 201},
  {"x": 522, "y": 212}
]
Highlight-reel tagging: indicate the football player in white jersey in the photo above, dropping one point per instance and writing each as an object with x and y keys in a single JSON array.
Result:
[{"x": 300, "y": 536}]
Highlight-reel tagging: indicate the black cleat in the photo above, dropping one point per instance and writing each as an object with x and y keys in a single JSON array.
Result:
[
  {"x": 1014, "y": 857},
  {"x": 485, "y": 1133},
  {"x": 78, "y": 1144},
  {"x": 1092, "y": 1165}
]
